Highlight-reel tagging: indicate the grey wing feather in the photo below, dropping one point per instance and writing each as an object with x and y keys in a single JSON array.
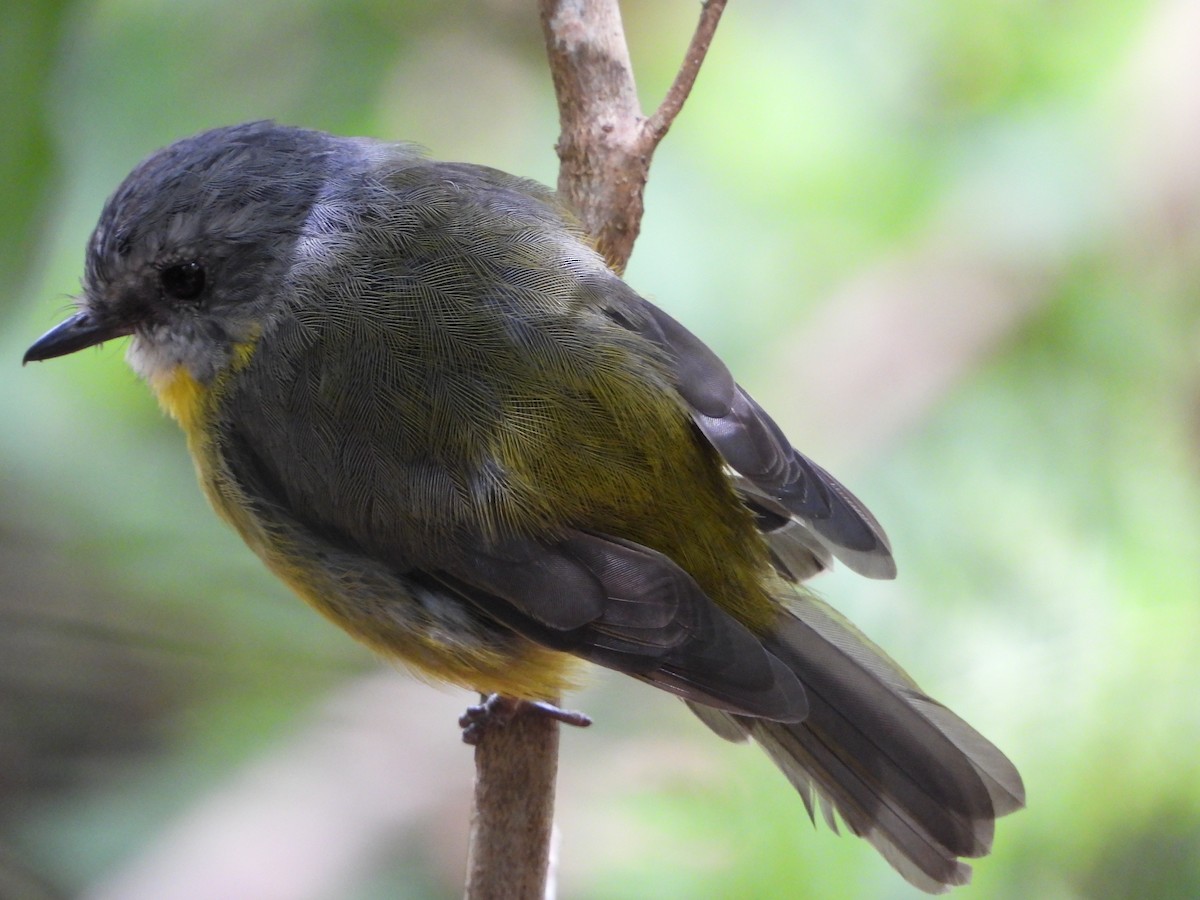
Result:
[
  {"x": 900, "y": 769},
  {"x": 796, "y": 552},
  {"x": 755, "y": 447},
  {"x": 629, "y": 608}
]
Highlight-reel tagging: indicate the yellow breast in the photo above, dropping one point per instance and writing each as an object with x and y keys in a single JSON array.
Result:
[{"x": 181, "y": 396}]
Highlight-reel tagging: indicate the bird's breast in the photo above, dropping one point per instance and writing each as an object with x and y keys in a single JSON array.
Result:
[{"x": 180, "y": 395}]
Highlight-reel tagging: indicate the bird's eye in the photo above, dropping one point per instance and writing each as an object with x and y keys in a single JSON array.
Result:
[{"x": 183, "y": 281}]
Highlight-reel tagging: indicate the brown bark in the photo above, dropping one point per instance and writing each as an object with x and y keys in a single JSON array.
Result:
[
  {"x": 512, "y": 819},
  {"x": 606, "y": 143}
]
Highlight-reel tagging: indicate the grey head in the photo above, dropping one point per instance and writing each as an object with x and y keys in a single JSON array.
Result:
[{"x": 187, "y": 250}]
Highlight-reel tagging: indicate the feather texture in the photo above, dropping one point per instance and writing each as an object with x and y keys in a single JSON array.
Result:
[
  {"x": 426, "y": 402},
  {"x": 900, "y": 769},
  {"x": 629, "y": 608},
  {"x": 755, "y": 448}
]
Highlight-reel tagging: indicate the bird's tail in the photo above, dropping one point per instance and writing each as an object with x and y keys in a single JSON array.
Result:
[{"x": 900, "y": 769}]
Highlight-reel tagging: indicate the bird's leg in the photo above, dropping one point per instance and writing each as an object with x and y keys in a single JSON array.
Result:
[{"x": 497, "y": 710}]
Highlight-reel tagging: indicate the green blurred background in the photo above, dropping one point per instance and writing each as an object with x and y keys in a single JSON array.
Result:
[{"x": 953, "y": 246}]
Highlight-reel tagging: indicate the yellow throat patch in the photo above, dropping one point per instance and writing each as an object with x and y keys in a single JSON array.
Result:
[{"x": 185, "y": 399}]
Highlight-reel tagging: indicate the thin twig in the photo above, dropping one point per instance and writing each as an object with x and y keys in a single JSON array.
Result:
[{"x": 655, "y": 127}]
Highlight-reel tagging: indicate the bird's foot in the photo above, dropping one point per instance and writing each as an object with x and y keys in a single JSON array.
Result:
[{"x": 497, "y": 710}]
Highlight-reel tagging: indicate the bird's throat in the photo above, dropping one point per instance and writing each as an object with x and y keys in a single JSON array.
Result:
[
  {"x": 180, "y": 395},
  {"x": 188, "y": 400}
]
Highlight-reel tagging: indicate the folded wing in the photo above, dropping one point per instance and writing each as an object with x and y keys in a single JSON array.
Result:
[{"x": 755, "y": 448}]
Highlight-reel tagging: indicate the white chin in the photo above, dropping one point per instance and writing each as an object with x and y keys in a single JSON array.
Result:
[{"x": 148, "y": 359}]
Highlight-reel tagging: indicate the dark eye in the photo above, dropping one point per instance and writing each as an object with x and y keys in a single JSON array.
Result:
[{"x": 183, "y": 281}]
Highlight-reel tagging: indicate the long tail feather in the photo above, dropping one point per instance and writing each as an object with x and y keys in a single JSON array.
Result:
[{"x": 900, "y": 769}]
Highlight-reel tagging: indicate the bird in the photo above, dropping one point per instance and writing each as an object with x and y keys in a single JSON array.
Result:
[{"x": 420, "y": 395}]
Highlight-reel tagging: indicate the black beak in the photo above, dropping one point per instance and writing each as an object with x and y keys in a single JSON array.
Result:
[{"x": 79, "y": 331}]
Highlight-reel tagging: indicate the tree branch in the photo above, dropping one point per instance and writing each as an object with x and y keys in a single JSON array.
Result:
[
  {"x": 605, "y": 149},
  {"x": 606, "y": 143},
  {"x": 512, "y": 818}
]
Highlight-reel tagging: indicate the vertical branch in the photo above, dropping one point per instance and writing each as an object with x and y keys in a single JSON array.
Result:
[
  {"x": 606, "y": 143},
  {"x": 605, "y": 148},
  {"x": 601, "y": 176},
  {"x": 513, "y": 812}
]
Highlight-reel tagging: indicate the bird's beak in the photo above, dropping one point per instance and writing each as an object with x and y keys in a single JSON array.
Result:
[{"x": 79, "y": 331}]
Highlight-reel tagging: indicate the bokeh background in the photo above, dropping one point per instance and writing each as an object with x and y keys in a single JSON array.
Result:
[{"x": 953, "y": 246}]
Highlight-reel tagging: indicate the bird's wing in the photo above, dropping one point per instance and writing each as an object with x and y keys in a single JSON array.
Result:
[
  {"x": 775, "y": 477},
  {"x": 629, "y": 608}
]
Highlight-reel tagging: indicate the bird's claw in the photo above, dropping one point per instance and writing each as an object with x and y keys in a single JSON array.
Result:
[{"x": 497, "y": 710}]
